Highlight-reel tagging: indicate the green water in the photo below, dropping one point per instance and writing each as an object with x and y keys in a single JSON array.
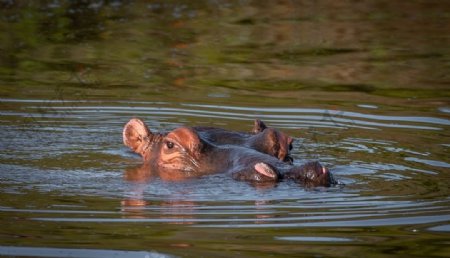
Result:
[{"x": 362, "y": 86}]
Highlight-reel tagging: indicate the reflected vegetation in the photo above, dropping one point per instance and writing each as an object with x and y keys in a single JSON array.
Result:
[
  {"x": 104, "y": 49},
  {"x": 362, "y": 86}
]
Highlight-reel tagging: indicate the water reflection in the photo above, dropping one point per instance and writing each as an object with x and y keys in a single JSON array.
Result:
[
  {"x": 67, "y": 252},
  {"x": 283, "y": 48},
  {"x": 175, "y": 210},
  {"x": 135, "y": 205},
  {"x": 314, "y": 239}
]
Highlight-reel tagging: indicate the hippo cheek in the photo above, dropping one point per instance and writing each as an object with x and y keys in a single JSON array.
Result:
[
  {"x": 172, "y": 166},
  {"x": 178, "y": 162}
]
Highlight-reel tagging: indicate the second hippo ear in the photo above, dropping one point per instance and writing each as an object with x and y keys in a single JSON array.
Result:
[
  {"x": 136, "y": 135},
  {"x": 188, "y": 139},
  {"x": 258, "y": 126}
]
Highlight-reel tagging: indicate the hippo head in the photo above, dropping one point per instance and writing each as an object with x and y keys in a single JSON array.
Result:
[
  {"x": 311, "y": 174},
  {"x": 179, "y": 151},
  {"x": 271, "y": 141}
]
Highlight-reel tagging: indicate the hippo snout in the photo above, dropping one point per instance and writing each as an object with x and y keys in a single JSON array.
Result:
[{"x": 311, "y": 174}]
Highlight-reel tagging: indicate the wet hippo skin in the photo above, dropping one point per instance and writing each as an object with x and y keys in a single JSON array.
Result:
[
  {"x": 193, "y": 152},
  {"x": 262, "y": 138}
]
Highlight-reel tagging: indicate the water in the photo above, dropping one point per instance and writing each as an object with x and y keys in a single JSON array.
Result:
[{"x": 362, "y": 87}]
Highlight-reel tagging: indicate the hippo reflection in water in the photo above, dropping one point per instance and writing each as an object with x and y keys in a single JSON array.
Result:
[{"x": 257, "y": 157}]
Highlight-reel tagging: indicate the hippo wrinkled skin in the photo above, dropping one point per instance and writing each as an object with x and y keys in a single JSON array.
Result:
[{"x": 257, "y": 157}]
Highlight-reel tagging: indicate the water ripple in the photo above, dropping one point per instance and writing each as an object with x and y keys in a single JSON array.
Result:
[
  {"x": 282, "y": 117},
  {"x": 314, "y": 239},
  {"x": 86, "y": 135},
  {"x": 347, "y": 223}
]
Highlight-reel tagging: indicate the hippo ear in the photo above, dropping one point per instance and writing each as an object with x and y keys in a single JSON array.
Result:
[
  {"x": 258, "y": 126},
  {"x": 188, "y": 139},
  {"x": 136, "y": 135}
]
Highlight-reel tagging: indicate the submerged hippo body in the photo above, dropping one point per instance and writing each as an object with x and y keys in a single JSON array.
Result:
[{"x": 188, "y": 152}]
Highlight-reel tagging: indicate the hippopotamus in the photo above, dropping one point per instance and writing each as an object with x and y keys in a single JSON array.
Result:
[
  {"x": 197, "y": 151},
  {"x": 261, "y": 138}
]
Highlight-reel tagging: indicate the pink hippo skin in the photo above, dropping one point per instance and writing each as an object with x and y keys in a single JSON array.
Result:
[{"x": 189, "y": 152}]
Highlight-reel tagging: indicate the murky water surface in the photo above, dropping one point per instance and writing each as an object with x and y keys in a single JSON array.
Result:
[{"x": 361, "y": 86}]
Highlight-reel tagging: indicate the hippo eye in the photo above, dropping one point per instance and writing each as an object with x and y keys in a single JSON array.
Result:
[{"x": 169, "y": 145}]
